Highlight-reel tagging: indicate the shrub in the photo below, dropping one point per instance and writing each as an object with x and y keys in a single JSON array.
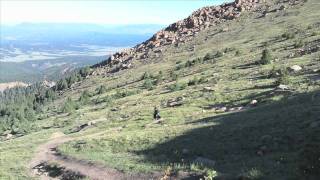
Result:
[
  {"x": 179, "y": 66},
  {"x": 159, "y": 78},
  {"x": 288, "y": 35},
  {"x": 148, "y": 84},
  {"x": 106, "y": 99},
  {"x": 298, "y": 44},
  {"x": 196, "y": 81},
  {"x": 62, "y": 84},
  {"x": 315, "y": 33},
  {"x": 85, "y": 71},
  {"x": 274, "y": 72},
  {"x": 238, "y": 53},
  {"x": 266, "y": 57},
  {"x": 208, "y": 56},
  {"x": 50, "y": 95},
  {"x": 85, "y": 97},
  {"x": 219, "y": 54},
  {"x": 174, "y": 76},
  {"x": 102, "y": 89},
  {"x": 146, "y": 75},
  {"x": 123, "y": 93},
  {"x": 69, "y": 106},
  {"x": 283, "y": 77},
  {"x": 177, "y": 86}
]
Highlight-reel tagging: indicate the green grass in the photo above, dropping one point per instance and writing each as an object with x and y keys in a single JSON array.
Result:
[{"x": 129, "y": 140}]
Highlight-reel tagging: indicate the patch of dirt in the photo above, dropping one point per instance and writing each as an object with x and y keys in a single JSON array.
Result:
[{"x": 49, "y": 164}]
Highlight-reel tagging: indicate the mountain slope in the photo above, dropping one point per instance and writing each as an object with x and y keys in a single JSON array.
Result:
[{"x": 223, "y": 112}]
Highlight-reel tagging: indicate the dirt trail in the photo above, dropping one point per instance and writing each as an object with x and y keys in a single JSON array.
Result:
[{"x": 47, "y": 153}]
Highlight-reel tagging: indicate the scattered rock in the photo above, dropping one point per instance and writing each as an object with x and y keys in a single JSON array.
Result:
[
  {"x": 91, "y": 123},
  {"x": 175, "y": 102},
  {"x": 235, "y": 109},
  {"x": 185, "y": 151},
  {"x": 9, "y": 136},
  {"x": 208, "y": 89},
  {"x": 295, "y": 68},
  {"x": 253, "y": 102},
  {"x": 218, "y": 108},
  {"x": 182, "y": 31},
  {"x": 282, "y": 87},
  {"x": 114, "y": 109}
]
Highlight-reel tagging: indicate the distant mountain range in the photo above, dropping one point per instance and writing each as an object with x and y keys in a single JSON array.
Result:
[{"x": 63, "y": 46}]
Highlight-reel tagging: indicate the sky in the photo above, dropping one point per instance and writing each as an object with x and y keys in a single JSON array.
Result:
[{"x": 99, "y": 11}]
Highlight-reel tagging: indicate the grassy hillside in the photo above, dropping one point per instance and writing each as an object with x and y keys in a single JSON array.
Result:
[{"x": 223, "y": 112}]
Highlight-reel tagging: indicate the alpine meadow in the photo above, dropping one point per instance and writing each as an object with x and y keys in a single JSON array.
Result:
[{"x": 231, "y": 92}]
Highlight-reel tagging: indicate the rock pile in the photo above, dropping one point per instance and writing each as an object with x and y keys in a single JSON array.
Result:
[{"x": 182, "y": 31}]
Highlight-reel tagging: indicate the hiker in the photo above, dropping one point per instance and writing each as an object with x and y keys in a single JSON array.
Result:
[{"x": 156, "y": 114}]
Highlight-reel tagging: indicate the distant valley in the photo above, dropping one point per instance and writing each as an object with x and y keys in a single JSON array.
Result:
[{"x": 32, "y": 52}]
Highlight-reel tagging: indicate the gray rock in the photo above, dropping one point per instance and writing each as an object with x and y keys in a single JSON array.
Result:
[
  {"x": 185, "y": 151},
  {"x": 253, "y": 102},
  {"x": 282, "y": 87},
  {"x": 295, "y": 68}
]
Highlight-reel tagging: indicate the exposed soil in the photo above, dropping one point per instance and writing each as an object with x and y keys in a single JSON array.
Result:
[{"x": 49, "y": 164}]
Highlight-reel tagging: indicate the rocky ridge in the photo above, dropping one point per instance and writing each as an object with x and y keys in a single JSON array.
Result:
[{"x": 184, "y": 30}]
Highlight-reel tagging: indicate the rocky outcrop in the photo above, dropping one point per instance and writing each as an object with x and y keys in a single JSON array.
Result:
[{"x": 184, "y": 30}]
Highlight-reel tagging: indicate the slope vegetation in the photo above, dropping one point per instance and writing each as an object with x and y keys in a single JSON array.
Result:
[{"x": 238, "y": 99}]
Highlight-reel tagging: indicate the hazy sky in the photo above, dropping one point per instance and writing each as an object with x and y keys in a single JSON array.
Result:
[{"x": 99, "y": 11}]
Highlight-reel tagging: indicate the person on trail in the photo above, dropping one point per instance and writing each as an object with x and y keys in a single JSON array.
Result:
[{"x": 156, "y": 114}]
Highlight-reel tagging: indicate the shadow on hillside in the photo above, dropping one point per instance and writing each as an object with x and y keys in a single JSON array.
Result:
[
  {"x": 246, "y": 66},
  {"x": 268, "y": 138}
]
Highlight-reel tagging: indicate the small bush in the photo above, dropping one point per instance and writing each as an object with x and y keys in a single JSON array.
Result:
[
  {"x": 146, "y": 75},
  {"x": 196, "y": 81},
  {"x": 219, "y": 54},
  {"x": 298, "y": 44},
  {"x": 238, "y": 53},
  {"x": 283, "y": 77},
  {"x": 85, "y": 71},
  {"x": 69, "y": 106},
  {"x": 148, "y": 84},
  {"x": 179, "y": 66},
  {"x": 102, "y": 89},
  {"x": 159, "y": 78},
  {"x": 266, "y": 57},
  {"x": 174, "y": 76},
  {"x": 273, "y": 73},
  {"x": 210, "y": 175},
  {"x": 177, "y": 86},
  {"x": 315, "y": 33},
  {"x": 85, "y": 97},
  {"x": 123, "y": 93},
  {"x": 288, "y": 35},
  {"x": 208, "y": 56}
]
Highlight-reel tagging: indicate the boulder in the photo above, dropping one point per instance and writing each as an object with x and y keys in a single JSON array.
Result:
[
  {"x": 208, "y": 89},
  {"x": 185, "y": 151},
  {"x": 253, "y": 102},
  {"x": 295, "y": 68},
  {"x": 9, "y": 136},
  {"x": 282, "y": 87}
]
